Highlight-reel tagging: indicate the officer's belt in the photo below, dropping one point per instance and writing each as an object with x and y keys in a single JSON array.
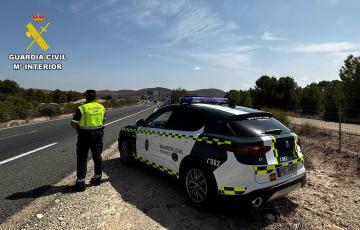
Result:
[{"x": 91, "y": 127}]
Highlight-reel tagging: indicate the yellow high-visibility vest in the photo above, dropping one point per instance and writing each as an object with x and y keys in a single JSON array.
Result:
[{"x": 92, "y": 115}]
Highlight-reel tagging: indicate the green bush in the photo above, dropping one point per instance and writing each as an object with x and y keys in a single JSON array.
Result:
[
  {"x": 5, "y": 111},
  {"x": 279, "y": 115},
  {"x": 49, "y": 110},
  {"x": 17, "y": 107},
  {"x": 70, "y": 108},
  {"x": 306, "y": 129}
]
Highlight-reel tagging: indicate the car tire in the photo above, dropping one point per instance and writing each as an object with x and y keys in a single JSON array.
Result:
[
  {"x": 126, "y": 156},
  {"x": 200, "y": 186}
]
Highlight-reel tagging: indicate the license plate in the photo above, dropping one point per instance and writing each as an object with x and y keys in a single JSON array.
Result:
[{"x": 283, "y": 171}]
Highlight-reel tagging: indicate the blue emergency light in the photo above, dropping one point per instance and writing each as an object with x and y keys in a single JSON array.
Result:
[{"x": 210, "y": 100}]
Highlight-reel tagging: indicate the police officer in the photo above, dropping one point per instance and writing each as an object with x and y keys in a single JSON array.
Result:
[{"x": 88, "y": 121}]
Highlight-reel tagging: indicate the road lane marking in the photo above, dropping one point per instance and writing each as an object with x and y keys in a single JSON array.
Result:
[
  {"x": 128, "y": 116},
  {"x": 57, "y": 119},
  {"x": 27, "y": 153},
  {"x": 2, "y": 138},
  {"x": 47, "y": 146}
]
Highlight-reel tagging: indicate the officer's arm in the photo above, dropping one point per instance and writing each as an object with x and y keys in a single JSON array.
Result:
[{"x": 76, "y": 119}]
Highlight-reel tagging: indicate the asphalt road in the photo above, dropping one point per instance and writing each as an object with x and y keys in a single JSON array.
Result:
[{"x": 41, "y": 154}]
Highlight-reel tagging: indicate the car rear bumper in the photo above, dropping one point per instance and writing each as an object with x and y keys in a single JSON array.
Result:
[
  {"x": 279, "y": 190},
  {"x": 260, "y": 196}
]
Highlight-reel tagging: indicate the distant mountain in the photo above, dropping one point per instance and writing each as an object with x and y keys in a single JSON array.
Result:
[
  {"x": 161, "y": 92},
  {"x": 207, "y": 93},
  {"x": 133, "y": 93}
]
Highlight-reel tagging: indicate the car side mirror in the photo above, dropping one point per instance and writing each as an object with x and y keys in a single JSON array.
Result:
[{"x": 140, "y": 122}]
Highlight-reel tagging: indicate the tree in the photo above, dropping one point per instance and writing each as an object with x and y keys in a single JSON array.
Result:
[
  {"x": 333, "y": 98},
  {"x": 42, "y": 96},
  {"x": 233, "y": 96},
  {"x": 285, "y": 94},
  {"x": 245, "y": 98},
  {"x": 30, "y": 95},
  {"x": 264, "y": 91},
  {"x": 9, "y": 87},
  {"x": 310, "y": 99},
  {"x": 271, "y": 92},
  {"x": 108, "y": 97},
  {"x": 73, "y": 96},
  {"x": 58, "y": 96},
  {"x": 176, "y": 93},
  {"x": 350, "y": 76},
  {"x": 20, "y": 108},
  {"x": 240, "y": 97}
]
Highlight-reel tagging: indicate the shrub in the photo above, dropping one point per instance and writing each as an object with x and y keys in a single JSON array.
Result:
[
  {"x": 279, "y": 115},
  {"x": 70, "y": 107},
  {"x": 49, "y": 110},
  {"x": 306, "y": 129},
  {"x": 5, "y": 111},
  {"x": 18, "y": 107}
]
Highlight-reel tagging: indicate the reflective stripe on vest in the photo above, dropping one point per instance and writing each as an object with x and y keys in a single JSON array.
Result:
[{"x": 92, "y": 116}]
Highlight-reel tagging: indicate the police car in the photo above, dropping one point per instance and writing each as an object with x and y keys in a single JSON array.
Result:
[{"x": 216, "y": 150}]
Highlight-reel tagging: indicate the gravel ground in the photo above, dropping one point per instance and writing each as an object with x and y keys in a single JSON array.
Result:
[
  {"x": 141, "y": 198},
  {"x": 334, "y": 126}
]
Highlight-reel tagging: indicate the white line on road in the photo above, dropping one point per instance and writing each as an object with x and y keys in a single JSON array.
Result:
[
  {"x": 57, "y": 119},
  {"x": 2, "y": 138},
  {"x": 128, "y": 116},
  {"x": 47, "y": 146},
  {"x": 27, "y": 153}
]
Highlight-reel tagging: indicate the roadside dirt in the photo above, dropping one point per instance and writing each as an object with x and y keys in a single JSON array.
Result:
[
  {"x": 327, "y": 125},
  {"x": 142, "y": 198},
  {"x": 32, "y": 120}
]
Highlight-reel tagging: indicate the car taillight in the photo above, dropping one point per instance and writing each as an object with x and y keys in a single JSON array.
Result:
[{"x": 248, "y": 150}]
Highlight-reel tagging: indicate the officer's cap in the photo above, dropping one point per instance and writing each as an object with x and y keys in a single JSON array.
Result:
[{"x": 90, "y": 92}]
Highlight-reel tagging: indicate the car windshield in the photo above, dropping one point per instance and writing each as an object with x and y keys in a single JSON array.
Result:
[{"x": 258, "y": 126}]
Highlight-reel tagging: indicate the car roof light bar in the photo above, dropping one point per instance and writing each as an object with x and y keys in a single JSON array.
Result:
[{"x": 211, "y": 100}]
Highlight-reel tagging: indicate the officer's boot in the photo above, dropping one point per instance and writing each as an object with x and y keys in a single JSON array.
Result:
[
  {"x": 79, "y": 186},
  {"x": 95, "y": 180}
]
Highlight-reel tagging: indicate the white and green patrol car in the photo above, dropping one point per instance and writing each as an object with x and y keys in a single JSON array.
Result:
[{"x": 217, "y": 150}]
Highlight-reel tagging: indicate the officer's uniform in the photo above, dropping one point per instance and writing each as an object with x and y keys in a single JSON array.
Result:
[{"x": 90, "y": 118}]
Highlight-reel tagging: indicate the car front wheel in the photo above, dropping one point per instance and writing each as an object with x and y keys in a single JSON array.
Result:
[{"x": 125, "y": 153}]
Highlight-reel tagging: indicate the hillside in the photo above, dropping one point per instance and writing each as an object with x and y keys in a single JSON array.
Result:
[{"x": 161, "y": 91}]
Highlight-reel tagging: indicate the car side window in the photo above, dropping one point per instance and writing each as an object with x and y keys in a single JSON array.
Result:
[
  {"x": 186, "y": 120},
  {"x": 160, "y": 120}
]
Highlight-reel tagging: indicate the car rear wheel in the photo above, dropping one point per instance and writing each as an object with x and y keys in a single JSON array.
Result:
[
  {"x": 199, "y": 186},
  {"x": 125, "y": 153}
]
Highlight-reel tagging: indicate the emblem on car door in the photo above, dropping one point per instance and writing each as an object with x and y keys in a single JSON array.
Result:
[
  {"x": 174, "y": 156},
  {"x": 287, "y": 144},
  {"x": 147, "y": 144}
]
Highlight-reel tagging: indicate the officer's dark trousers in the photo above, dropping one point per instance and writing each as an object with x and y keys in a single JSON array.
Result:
[{"x": 89, "y": 139}]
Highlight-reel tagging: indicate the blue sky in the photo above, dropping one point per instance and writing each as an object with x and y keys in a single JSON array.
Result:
[{"x": 119, "y": 44}]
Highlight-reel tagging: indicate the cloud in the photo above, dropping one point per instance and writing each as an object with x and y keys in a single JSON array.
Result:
[
  {"x": 268, "y": 36},
  {"x": 178, "y": 21},
  {"x": 197, "y": 24},
  {"x": 139, "y": 12},
  {"x": 327, "y": 47},
  {"x": 188, "y": 29},
  {"x": 197, "y": 68},
  {"x": 238, "y": 58}
]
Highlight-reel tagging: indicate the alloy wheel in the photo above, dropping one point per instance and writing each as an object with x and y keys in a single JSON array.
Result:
[{"x": 196, "y": 185}]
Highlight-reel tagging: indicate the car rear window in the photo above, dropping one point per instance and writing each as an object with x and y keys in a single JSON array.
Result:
[{"x": 258, "y": 126}]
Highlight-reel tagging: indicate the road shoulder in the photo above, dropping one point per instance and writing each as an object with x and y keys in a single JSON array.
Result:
[{"x": 141, "y": 198}]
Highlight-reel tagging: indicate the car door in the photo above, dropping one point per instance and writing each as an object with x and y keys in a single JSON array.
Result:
[
  {"x": 177, "y": 138},
  {"x": 147, "y": 144}
]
